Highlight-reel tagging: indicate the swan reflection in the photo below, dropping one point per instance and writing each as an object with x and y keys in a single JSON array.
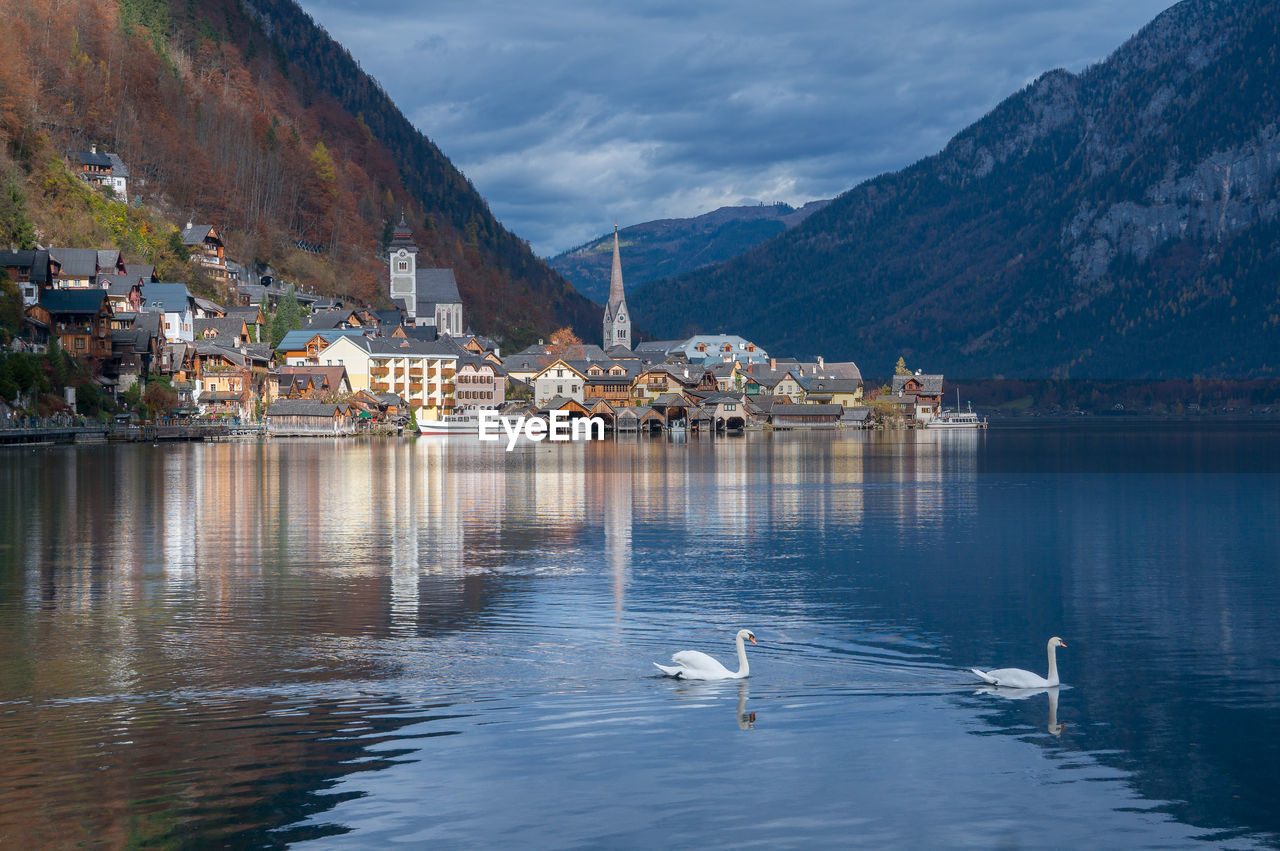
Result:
[
  {"x": 711, "y": 689},
  {"x": 1054, "y": 727}
]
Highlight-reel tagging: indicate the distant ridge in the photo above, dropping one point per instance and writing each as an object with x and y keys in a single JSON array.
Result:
[
  {"x": 1122, "y": 222},
  {"x": 669, "y": 247}
]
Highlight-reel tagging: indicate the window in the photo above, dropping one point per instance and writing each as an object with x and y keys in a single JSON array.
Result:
[{"x": 403, "y": 266}]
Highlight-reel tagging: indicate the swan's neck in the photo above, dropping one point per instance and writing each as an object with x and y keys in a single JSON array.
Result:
[
  {"x": 1053, "y": 665},
  {"x": 744, "y": 669}
]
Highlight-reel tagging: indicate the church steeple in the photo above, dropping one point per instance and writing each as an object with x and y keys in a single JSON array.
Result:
[
  {"x": 402, "y": 257},
  {"x": 617, "y": 324}
]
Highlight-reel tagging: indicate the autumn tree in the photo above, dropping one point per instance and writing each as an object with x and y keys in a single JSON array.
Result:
[
  {"x": 159, "y": 398},
  {"x": 564, "y": 345},
  {"x": 900, "y": 368}
]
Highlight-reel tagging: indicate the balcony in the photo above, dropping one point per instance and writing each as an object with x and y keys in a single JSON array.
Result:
[
  {"x": 415, "y": 386},
  {"x": 379, "y": 371},
  {"x": 415, "y": 372},
  {"x": 447, "y": 387},
  {"x": 380, "y": 387}
]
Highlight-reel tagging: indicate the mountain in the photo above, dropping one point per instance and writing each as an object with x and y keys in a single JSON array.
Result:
[
  {"x": 1120, "y": 222},
  {"x": 669, "y": 247},
  {"x": 247, "y": 115}
]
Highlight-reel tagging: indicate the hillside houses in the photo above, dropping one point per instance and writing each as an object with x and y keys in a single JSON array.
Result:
[{"x": 411, "y": 359}]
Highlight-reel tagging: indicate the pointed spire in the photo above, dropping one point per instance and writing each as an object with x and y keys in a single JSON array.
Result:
[{"x": 615, "y": 280}]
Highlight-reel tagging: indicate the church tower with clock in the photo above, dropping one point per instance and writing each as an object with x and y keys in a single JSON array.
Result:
[
  {"x": 404, "y": 267},
  {"x": 617, "y": 319}
]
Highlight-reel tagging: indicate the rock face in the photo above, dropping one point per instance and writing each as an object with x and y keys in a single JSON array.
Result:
[
  {"x": 1118, "y": 222},
  {"x": 669, "y": 247}
]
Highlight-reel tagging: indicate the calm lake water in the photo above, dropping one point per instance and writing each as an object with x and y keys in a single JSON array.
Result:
[{"x": 353, "y": 643}]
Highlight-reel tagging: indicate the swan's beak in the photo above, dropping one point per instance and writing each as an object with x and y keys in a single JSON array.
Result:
[
  {"x": 1062, "y": 643},
  {"x": 753, "y": 639}
]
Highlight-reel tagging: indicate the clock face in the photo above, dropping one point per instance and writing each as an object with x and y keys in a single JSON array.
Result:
[
  {"x": 621, "y": 317},
  {"x": 403, "y": 253}
]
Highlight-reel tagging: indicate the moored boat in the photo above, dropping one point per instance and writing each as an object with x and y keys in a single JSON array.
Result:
[
  {"x": 464, "y": 423},
  {"x": 956, "y": 419}
]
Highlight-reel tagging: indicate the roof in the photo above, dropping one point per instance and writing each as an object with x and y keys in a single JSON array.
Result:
[
  {"x": 328, "y": 318},
  {"x": 211, "y": 349},
  {"x": 131, "y": 339},
  {"x": 134, "y": 271},
  {"x": 829, "y": 369},
  {"x": 224, "y": 329},
  {"x": 169, "y": 298},
  {"x": 88, "y": 300},
  {"x": 789, "y": 410},
  {"x": 333, "y": 375},
  {"x": 92, "y": 158},
  {"x": 118, "y": 168},
  {"x": 655, "y": 346},
  {"x": 195, "y": 234},
  {"x": 298, "y": 339},
  {"x": 76, "y": 262},
  {"x": 221, "y": 396},
  {"x": 386, "y": 346},
  {"x": 931, "y": 385},
  {"x": 834, "y": 385},
  {"x": 715, "y": 347},
  {"x": 209, "y": 306},
  {"x": 108, "y": 258},
  {"x": 302, "y": 408},
  {"x": 37, "y": 261},
  {"x": 436, "y": 286}
]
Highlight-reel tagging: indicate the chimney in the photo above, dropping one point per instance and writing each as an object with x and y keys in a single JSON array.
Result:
[
  {"x": 821, "y": 365},
  {"x": 93, "y": 149},
  {"x": 773, "y": 364}
]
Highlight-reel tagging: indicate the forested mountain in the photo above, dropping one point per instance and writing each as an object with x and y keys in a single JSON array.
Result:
[
  {"x": 669, "y": 247},
  {"x": 1120, "y": 222},
  {"x": 247, "y": 115}
]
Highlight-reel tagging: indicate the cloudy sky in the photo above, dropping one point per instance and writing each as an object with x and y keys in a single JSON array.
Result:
[{"x": 568, "y": 115}]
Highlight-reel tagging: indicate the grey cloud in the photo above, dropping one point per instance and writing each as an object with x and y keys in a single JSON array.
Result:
[{"x": 569, "y": 115}]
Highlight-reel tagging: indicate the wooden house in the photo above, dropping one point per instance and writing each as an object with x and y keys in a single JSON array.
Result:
[{"x": 80, "y": 319}]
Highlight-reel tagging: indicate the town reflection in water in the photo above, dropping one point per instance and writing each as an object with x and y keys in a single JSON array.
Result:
[{"x": 185, "y": 629}]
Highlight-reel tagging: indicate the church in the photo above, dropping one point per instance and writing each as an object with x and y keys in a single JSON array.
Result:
[
  {"x": 430, "y": 296},
  {"x": 617, "y": 322}
]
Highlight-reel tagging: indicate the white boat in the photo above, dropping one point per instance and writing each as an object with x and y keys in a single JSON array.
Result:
[
  {"x": 956, "y": 419},
  {"x": 467, "y": 422}
]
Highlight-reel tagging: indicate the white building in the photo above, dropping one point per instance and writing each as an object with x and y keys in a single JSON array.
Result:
[
  {"x": 430, "y": 296},
  {"x": 422, "y": 373}
]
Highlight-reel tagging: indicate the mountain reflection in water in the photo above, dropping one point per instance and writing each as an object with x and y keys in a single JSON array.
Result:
[{"x": 264, "y": 643}]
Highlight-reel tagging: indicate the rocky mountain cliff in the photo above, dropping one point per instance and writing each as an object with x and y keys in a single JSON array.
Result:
[
  {"x": 669, "y": 247},
  {"x": 1120, "y": 222}
]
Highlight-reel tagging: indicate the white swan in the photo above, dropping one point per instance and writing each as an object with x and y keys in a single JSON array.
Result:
[
  {"x": 695, "y": 665},
  {"x": 1018, "y": 678}
]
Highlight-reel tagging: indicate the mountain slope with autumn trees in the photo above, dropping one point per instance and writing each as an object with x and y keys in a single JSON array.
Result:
[{"x": 249, "y": 116}]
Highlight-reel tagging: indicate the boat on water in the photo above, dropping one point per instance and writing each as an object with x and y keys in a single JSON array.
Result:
[
  {"x": 956, "y": 419},
  {"x": 464, "y": 423}
]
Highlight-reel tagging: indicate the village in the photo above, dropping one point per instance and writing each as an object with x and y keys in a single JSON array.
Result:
[{"x": 343, "y": 369}]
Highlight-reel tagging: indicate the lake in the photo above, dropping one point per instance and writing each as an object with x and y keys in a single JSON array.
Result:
[{"x": 353, "y": 643}]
